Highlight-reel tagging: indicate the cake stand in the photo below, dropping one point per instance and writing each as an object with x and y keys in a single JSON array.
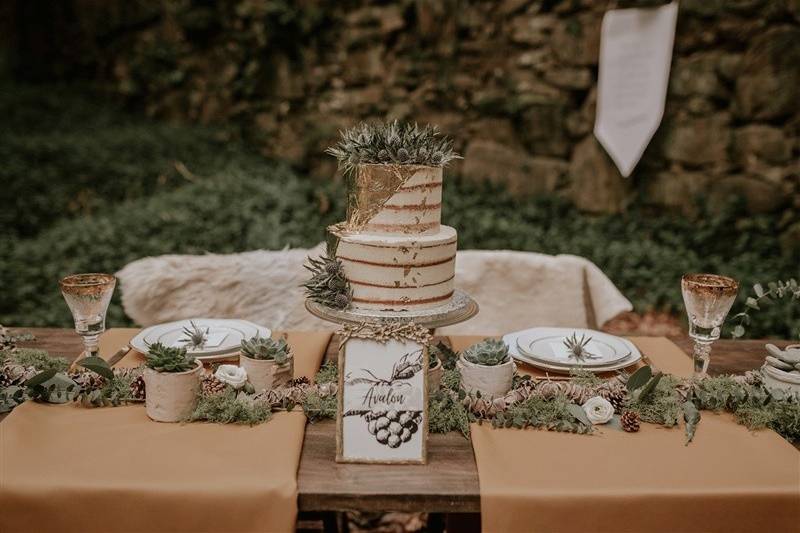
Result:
[{"x": 461, "y": 307}]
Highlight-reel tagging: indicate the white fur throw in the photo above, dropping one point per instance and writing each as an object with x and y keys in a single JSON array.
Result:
[{"x": 514, "y": 290}]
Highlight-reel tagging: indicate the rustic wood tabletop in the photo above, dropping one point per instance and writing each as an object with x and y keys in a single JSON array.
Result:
[{"x": 447, "y": 484}]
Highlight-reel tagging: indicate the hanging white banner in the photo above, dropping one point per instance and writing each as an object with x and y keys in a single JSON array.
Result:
[{"x": 635, "y": 56}]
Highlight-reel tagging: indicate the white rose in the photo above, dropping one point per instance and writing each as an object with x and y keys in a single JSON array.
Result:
[
  {"x": 233, "y": 375},
  {"x": 598, "y": 410}
]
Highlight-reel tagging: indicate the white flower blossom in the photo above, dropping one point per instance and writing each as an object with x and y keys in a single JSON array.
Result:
[
  {"x": 598, "y": 410},
  {"x": 233, "y": 375}
]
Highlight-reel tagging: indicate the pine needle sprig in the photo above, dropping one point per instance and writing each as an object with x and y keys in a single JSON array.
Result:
[
  {"x": 392, "y": 143},
  {"x": 328, "y": 284}
]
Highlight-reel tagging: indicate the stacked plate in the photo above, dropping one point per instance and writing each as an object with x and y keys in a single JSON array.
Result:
[
  {"x": 545, "y": 348},
  {"x": 223, "y": 336}
]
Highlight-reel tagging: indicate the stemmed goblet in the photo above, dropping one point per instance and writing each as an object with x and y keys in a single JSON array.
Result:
[
  {"x": 88, "y": 296},
  {"x": 708, "y": 298}
]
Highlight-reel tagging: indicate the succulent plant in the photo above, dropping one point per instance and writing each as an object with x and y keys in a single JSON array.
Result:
[
  {"x": 195, "y": 335},
  {"x": 490, "y": 352},
  {"x": 328, "y": 284},
  {"x": 168, "y": 359},
  {"x": 267, "y": 349},
  {"x": 396, "y": 143},
  {"x": 577, "y": 347}
]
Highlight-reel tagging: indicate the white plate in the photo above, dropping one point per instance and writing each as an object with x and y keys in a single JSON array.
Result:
[
  {"x": 511, "y": 341},
  {"x": 547, "y": 345},
  {"x": 228, "y": 334}
]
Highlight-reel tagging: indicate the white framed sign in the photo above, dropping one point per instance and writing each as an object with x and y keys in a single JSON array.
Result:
[{"x": 383, "y": 399}]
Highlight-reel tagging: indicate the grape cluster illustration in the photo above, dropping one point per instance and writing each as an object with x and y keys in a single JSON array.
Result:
[{"x": 393, "y": 428}]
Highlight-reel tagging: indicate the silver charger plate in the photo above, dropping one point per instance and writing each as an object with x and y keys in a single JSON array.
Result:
[
  {"x": 232, "y": 332},
  {"x": 511, "y": 341},
  {"x": 461, "y": 307}
]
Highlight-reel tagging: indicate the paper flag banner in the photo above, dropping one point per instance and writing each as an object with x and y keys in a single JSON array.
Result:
[{"x": 635, "y": 56}]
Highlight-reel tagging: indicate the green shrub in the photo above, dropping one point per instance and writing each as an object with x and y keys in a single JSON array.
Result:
[
  {"x": 269, "y": 209},
  {"x": 65, "y": 156}
]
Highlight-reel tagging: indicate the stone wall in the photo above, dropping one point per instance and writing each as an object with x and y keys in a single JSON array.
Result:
[{"x": 513, "y": 81}]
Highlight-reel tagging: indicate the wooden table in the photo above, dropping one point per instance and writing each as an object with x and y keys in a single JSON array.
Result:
[{"x": 447, "y": 484}]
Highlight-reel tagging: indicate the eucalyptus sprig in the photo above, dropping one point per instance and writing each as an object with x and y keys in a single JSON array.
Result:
[{"x": 776, "y": 290}]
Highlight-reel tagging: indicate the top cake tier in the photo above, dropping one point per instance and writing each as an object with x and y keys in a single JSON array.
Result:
[{"x": 395, "y": 199}]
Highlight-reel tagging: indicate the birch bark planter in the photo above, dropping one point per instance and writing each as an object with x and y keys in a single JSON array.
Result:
[
  {"x": 266, "y": 374},
  {"x": 171, "y": 396},
  {"x": 435, "y": 377},
  {"x": 490, "y": 381}
]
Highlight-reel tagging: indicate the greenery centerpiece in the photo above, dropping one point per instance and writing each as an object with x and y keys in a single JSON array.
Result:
[
  {"x": 172, "y": 382},
  {"x": 486, "y": 369},
  {"x": 269, "y": 363}
]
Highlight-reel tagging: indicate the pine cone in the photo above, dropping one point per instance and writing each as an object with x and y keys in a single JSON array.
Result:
[
  {"x": 5, "y": 379},
  {"x": 211, "y": 385},
  {"x": 630, "y": 421},
  {"x": 615, "y": 396},
  {"x": 296, "y": 382},
  {"x": 14, "y": 374},
  {"x": 88, "y": 381},
  {"x": 138, "y": 389}
]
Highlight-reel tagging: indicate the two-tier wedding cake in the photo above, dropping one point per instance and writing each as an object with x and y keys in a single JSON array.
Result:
[{"x": 392, "y": 251}]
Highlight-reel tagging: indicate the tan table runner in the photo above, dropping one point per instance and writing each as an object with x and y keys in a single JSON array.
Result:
[
  {"x": 728, "y": 479},
  {"x": 69, "y": 468}
]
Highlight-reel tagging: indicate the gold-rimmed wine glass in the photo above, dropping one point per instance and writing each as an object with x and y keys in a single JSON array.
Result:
[
  {"x": 88, "y": 296},
  {"x": 708, "y": 298}
]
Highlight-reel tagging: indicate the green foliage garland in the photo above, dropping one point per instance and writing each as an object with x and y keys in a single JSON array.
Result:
[
  {"x": 557, "y": 414},
  {"x": 446, "y": 413},
  {"x": 656, "y": 398},
  {"x": 38, "y": 359},
  {"x": 317, "y": 407},
  {"x": 328, "y": 373},
  {"x": 229, "y": 407}
]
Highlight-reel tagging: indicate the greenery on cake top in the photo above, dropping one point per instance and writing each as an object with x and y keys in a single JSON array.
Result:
[{"x": 392, "y": 143}]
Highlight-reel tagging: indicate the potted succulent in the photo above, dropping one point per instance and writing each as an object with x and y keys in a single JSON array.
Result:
[
  {"x": 486, "y": 368},
  {"x": 172, "y": 381},
  {"x": 269, "y": 363}
]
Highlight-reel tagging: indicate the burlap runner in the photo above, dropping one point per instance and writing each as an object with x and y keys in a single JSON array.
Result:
[
  {"x": 68, "y": 468},
  {"x": 728, "y": 479}
]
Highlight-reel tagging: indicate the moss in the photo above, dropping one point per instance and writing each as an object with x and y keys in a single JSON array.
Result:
[
  {"x": 445, "y": 414},
  {"x": 39, "y": 359},
  {"x": 328, "y": 373},
  {"x": 316, "y": 407},
  {"x": 230, "y": 408}
]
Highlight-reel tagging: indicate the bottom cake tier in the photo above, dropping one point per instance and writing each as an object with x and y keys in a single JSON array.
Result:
[{"x": 399, "y": 273}]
